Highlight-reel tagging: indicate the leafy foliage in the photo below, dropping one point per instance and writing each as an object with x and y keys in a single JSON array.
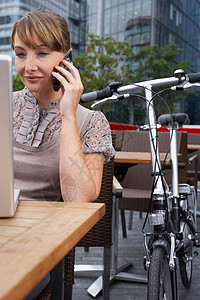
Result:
[
  {"x": 107, "y": 60},
  {"x": 17, "y": 83},
  {"x": 158, "y": 62}
]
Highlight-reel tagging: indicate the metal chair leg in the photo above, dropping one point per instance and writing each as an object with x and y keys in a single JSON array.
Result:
[
  {"x": 130, "y": 220},
  {"x": 106, "y": 273},
  {"x": 57, "y": 281},
  {"x": 68, "y": 292},
  {"x": 123, "y": 223}
]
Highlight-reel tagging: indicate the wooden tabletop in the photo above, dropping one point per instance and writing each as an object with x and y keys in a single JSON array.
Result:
[
  {"x": 193, "y": 147},
  {"x": 136, "y": 157},
  {"x": 37, "y": 238}
]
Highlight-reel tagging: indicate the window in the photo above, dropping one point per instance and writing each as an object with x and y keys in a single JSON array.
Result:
[
  {"x": 114, "y": 19},
  {"x": 107, "y": 22}
]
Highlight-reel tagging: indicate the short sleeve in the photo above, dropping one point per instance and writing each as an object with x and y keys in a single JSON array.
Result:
[{"x": 97, "y": 137}]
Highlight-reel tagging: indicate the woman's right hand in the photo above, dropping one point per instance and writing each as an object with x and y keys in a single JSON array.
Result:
[{"x": 72, "y": 88}]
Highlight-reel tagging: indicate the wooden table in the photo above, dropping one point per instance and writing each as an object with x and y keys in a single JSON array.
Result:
[
  {"x": 37, "y": 238},
  {"x": 137, "y": 157},
  {"x": 193, "y": 147},
  {"x": 124, "y": 160}
]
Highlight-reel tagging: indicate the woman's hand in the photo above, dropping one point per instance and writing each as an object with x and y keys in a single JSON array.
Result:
[{"x": 72, "y": 88}]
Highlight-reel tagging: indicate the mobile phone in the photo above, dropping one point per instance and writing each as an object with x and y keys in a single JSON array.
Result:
[{"x": 56, "y": 82}]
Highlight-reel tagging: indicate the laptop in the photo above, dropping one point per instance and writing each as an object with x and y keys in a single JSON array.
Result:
[{"x": 8, "y": 195}]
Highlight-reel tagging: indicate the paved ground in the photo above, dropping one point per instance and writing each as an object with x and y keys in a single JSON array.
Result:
[{"x": 130, "y": 250}]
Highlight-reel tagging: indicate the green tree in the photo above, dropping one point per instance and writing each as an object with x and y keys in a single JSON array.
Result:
[
  {"x": 105, "y": 60},
  {"x": 17, "y": 83},
  {"x": 158, "y": 62}
]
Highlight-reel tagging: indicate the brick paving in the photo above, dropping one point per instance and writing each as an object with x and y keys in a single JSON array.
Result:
[{"x": 130, "y": 250}]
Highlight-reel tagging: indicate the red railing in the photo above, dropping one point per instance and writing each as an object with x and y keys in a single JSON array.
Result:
[
  {"x": 120, "y": 126},
  {"x": 188, "y": 129}
]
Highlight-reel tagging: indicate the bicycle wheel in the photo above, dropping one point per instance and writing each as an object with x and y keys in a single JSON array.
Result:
[
  {"x": 185, "y": 258},
  {"x": 159, "y": 279}
]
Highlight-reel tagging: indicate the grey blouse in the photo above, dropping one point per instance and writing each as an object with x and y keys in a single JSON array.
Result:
[
  {"x": 34, "y": 127},
  {"x": 36, "y": 144}
]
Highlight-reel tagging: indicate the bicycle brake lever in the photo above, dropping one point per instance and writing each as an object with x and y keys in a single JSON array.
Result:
[
  {"x": 114, "y": 98},
  {"x": 185, "y": 86}
]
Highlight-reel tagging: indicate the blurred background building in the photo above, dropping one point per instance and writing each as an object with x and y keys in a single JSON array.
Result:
[
  {"x": 140, "y": 22},
  {"x": 149, "y": 22},
  {"x": 12, "y": 10}
]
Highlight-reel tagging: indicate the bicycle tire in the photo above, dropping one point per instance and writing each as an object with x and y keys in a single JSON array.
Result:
[
  {"x": 185, "y": 265},
  {"x": 159, "y": 279}
]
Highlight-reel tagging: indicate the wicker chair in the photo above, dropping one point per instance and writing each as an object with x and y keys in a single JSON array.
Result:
[
  {"x": 101, "y": 234},
  {"x": 68, "y": 279},
  {"x": 119, "y": 139},
  {"x": 138, "y": 182},
  {"x": 194, "y": 166}
]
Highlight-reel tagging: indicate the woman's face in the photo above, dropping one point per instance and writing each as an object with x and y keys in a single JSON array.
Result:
[{"x": 35, "y": 66}]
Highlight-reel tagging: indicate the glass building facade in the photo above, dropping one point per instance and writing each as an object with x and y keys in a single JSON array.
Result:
[
  {"x": 149, "y": 22},
  {"x": 140, "y": 22},
  {"x": 12, "y": 10}
]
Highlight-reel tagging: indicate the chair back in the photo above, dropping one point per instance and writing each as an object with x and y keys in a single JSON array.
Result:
[
  {"x": 194, "y": 138},
  {"x": 138, "y": 141},
  {"x": 101, "y": 234},
  {"x": 139, "y": 176},
  {"x": 119, "y": 139}
]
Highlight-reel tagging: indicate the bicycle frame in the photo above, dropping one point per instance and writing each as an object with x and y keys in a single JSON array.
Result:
[
  {"x": 161, "y": 189},
  {"x": 161, "y": 192},
  {"x": 155, "y": 154},
  {"x": 165, "y": 235}
]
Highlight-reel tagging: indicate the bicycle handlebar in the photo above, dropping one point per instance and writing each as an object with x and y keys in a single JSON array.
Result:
[
  {"x": 107, "y": 92},
  {"x": 194, "y": 77},
  {"x": 96, "y": 95}
]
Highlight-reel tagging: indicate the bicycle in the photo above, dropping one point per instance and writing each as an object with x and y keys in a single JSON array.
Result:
[{"x": 174, "y": 216}]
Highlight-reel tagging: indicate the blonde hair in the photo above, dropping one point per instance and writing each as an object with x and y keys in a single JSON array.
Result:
[{"x": 51, "y": 28}]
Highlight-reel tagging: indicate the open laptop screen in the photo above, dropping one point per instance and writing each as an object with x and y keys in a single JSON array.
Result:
[{"x": 8, "y": 198}]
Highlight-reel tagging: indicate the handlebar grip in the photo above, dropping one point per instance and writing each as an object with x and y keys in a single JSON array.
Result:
[
  {"x": 194, "y": 77},
  {"x": 96, "y": 95}
]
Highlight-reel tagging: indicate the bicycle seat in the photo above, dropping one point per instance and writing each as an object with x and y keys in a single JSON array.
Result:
[{"x": 180, "y": 118}]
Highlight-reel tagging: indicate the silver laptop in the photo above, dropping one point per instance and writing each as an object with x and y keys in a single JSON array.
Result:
[{"x": 8, "y": 196}]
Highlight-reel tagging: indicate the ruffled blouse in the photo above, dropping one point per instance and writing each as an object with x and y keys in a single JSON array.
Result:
[{"x": 34, "y": 127}]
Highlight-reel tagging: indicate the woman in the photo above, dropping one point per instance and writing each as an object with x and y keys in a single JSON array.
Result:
[{"x": 59, "y": 146}]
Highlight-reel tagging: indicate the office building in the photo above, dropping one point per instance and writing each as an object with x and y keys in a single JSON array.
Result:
[
  {"x": 12, "y": 10},
  {"x": 140, "y": 22},
  {"x": 149, "y": 22}
]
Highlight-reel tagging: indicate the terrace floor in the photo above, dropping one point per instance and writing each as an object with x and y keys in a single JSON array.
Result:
[{"x": 130, "y": 250}]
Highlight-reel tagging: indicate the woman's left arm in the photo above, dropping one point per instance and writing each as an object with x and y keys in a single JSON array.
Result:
[{"x": 80, "y": 174}]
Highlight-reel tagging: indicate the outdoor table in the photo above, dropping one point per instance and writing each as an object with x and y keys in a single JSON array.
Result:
[
  {"x": 126, "y": 159},
  {"x": 37, "y": 238},
  {"x": 193, "y": 147},
  {"x": 137, "y": 157},
  {"x": 123, "y": 160}
]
